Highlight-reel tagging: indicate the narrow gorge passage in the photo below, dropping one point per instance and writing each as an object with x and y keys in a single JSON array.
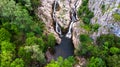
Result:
[{"x": 66, "y": 47}]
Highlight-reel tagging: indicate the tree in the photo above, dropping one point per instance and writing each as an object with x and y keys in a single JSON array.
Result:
[
  {"x": 51, "y": 41},
  {"x": 116, "y": 17},
  {"x": 113, "y": 61},
  {"x": 26, "y": 56},
  {"x": 86, "y": 20},
  {"x": 7, "y": 53},
  {"x": 35, "y": 41},
  {"x": 36, "y": 53},
  {"x": 114, "y": 50},
  {"x": 103, "y": 39},
  {"x": 18, "y": 62},
  {"x": 96, "y": 62},
  {"x": 15, "y": 14},
  {"x": 4, "y": 35},
  {"x": 85, "y": 38},
  {"x": 62, "y": 62}
]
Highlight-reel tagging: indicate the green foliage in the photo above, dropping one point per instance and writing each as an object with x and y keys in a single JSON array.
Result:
[
  {"x": 114, "y": 50},
  {"x": 103, "y": 8},
  {"x": 51, "y": 40},
  {"x": 95, "y": 27},
  {"x": 36, "y": 53},
  {"x": 85, "y": 2},
  {"x": 105, "y": 49},
  {"x": 113, "y": 61},
  {"x": 18, "y": 62},
  {"x": 116, "y": 17},
  {"x": 85, "y": 13},
  {"x": 106, "y": 39},
  {"x": 4, "y": 35},
  {"x": 7, "y": 53},
  {"x": 62, "y": 63},
  {"x": 20, "y": 25},
  {"x": 35, "y": 41},
  {"x": 96, "y": 62},
  {"x": 26, "y": 56},
  {"x": 86, "y": 45},
  {"x": 85, "y": 38}
]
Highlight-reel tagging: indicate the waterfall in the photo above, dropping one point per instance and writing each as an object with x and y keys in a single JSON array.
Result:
[
  {"x": 73, "y": 19},
  {"x": 57, "y": 27}
]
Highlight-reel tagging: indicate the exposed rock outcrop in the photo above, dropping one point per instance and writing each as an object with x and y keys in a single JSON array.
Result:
[
  {"x": 103, "y": 15},
  {"x": 62, "y": 17},
  {"x": 44, "y": 12}
]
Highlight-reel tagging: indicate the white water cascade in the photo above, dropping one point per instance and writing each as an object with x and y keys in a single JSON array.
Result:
[{"x": 73, "y": 15}]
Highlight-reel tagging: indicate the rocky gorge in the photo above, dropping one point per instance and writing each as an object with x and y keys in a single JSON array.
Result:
[{"x": 61, "y": 18}]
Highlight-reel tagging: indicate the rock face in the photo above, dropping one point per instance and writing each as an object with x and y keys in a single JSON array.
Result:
[
  {"x": 62, "y": 16},
  {"x": 44, "y": 12},
  {"x": 103, "y": 15}
]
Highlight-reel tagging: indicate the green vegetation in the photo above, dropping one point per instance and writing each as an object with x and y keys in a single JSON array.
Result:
[
  {"x": 84, "y": 13},
  {"x": 116, "y": 17},
  {"x": 62, "y": 62},
  {"x": 18, "y": 62},
  {"x": 96, "y": 62},
  {"x": 23, "y": 43},
  {"x": 103, "y": 8},
  {"x": 21, "y": 34},
  {"x": 107, "y": 48}
]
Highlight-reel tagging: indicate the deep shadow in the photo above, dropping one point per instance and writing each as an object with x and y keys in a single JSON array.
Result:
[{"x": 64, "y": 49}]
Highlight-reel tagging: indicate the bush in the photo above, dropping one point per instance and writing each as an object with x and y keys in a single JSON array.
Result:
[
  {"x": 85, "y": 38},
  {"x": 95, "y": 27},
  {"x": 109, "y": 38},
  {"x": 85, "y": 13},
  {"x": 96, "y": 62},
  {"x": 62, "y": 62},
  {"x": 51, "y": 41},
  {"x": 116, "y": 17},
  {"x": 103, "y": 8},
  {"x": 86, "y": 20},
  {"x": 4, "y": 35},
  {"x": 113, "y": 61},
  {"x": 18, "y": 62},
  {"x": 114, "y": 50}
]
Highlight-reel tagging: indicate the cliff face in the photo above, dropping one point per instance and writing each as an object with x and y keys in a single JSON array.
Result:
[
  {"x": 44, "y": 12},
  {"x": 62, "y": 16},
  {"x": 103, "y": 15}
]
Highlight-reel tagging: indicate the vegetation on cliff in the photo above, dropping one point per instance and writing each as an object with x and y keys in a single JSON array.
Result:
[{"x": 22, "y": 41}]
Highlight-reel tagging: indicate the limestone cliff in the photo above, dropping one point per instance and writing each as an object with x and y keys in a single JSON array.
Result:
[
  {"x": 62, "y": 16},
  {"x": 103, "y": 15}
]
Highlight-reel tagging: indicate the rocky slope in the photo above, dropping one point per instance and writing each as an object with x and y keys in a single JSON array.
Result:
[
  {"x": 62, "y": 16},
  {"x": 103, "y": 15}
]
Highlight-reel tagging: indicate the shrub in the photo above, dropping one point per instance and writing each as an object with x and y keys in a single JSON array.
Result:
[
  {"x": 95, "y": 27},
  {"x": 62, "y": 62},
  {"x": 114, "y": 50},
  {"x": 116, "y": 17},
  {"x": 96, "y": 62},
  {"x": 85, "y": 38},
  {"x": 4, "y": 35}
]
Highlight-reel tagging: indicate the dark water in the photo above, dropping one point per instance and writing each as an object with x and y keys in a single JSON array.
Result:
[{"x": 65, "y": 48}]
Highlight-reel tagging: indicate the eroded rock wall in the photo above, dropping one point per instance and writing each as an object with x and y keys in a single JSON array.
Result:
[
  {"x": 103, "y": 15},
  {"x": 62, "y": 16}
]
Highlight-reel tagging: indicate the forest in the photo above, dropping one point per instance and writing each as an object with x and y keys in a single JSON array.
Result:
[{"x": 23, "y": 42}]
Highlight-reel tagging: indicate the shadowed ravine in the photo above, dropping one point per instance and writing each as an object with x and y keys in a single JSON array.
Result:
[{"x": 66, "y": 47}]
